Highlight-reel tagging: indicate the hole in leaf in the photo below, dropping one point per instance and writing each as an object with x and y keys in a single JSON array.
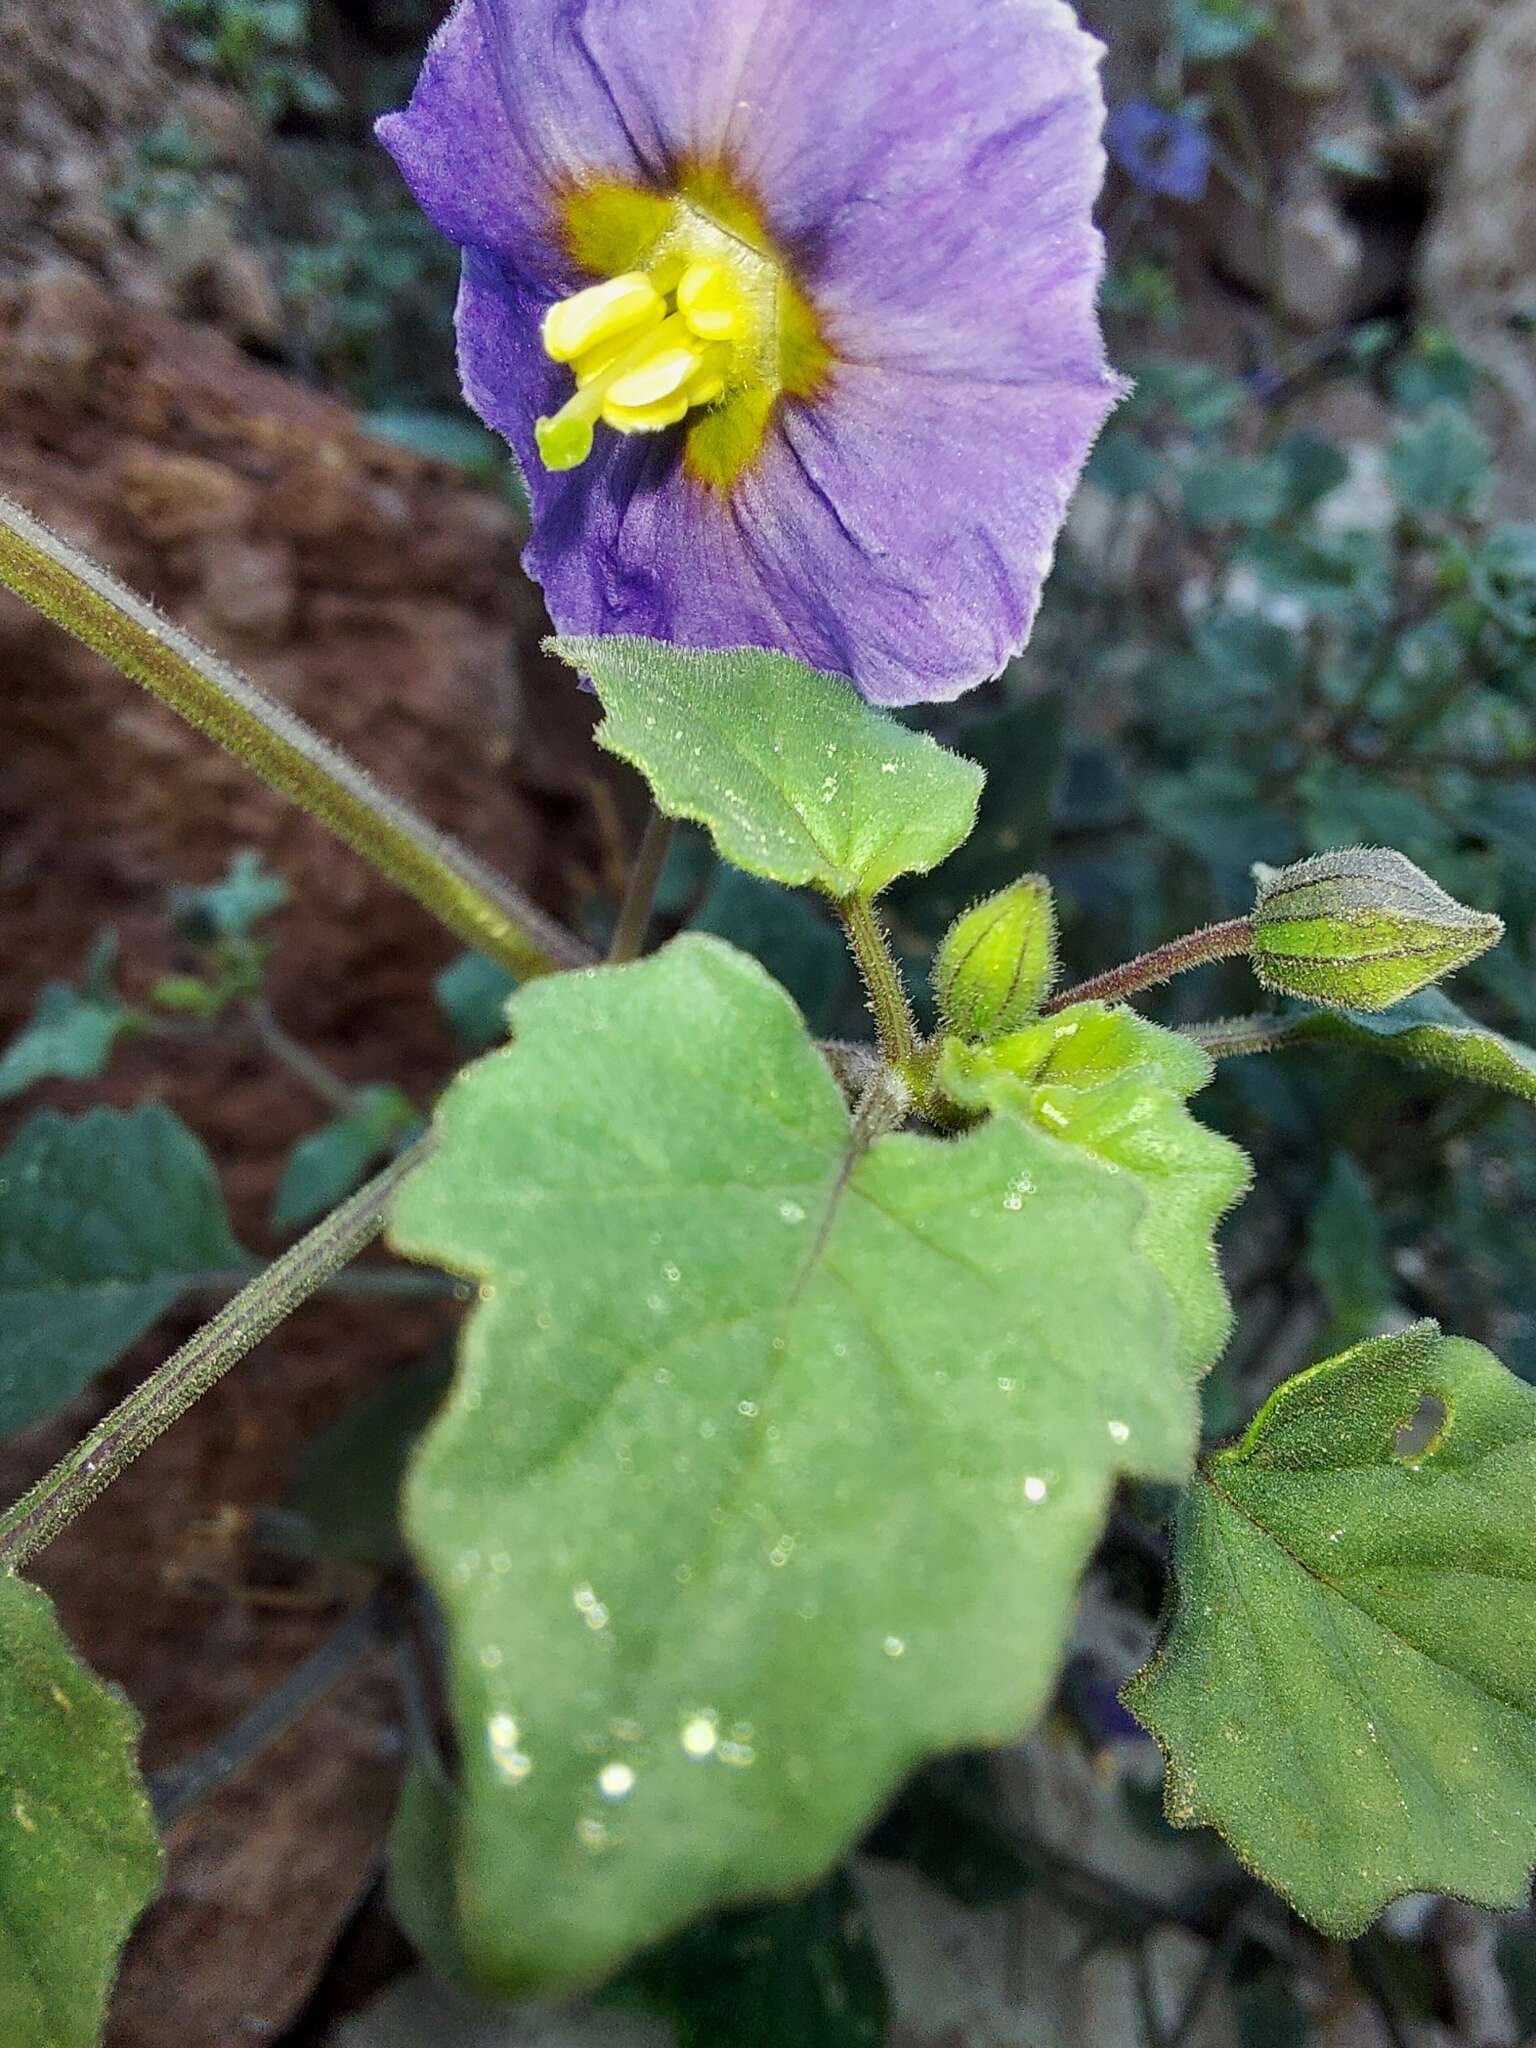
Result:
[{"x": 1421, "y": 1435}]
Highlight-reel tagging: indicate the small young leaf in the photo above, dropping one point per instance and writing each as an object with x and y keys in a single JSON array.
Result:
[
  {"x": 1209, "y": 30},
  {"x": 325, "y": 1167},
  {"x": 230, "y": 909},
  {"x": 69, "y": 1037},
  {"x": 1099, "y": 1076},
  {"x": 796, "y": 777},
  {"x": 1441, "y": 463},
  {"x": 105, "y": 1221},
  {"x": 472, "y": 994},
  {"x": 79, "y": 1858},
  {"x": 1347, "y": 1685},
  {"x": 715, "y": 1348}
]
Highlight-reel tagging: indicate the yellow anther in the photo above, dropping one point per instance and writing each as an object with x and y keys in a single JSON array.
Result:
[
  {"x": 593, "y": 361},
  {"x": 647, "y": 419},
  {"x": 708, "y": 299},
  {"x": 599, "y": 314},
  {"x": 660, "y": 376}
]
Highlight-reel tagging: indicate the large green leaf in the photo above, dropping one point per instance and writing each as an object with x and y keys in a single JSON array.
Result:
[
  {"x": 1100, "y": 1076},
  {"x": 796, "y": 777},
  {"x": 79, "y": 1858},
  {"x": 105, "y": 1220},
  {"x": 771, "y": 1464},
  {"x": 1427, "y": 1030},
  {"x": 1347, "y": 1685}
]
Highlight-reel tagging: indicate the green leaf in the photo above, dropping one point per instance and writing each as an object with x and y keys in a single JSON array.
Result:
[
  {"x": 804, "y": 1973},
  {"x": 1347, "y": 1254},
  {"x": 441, "y": 436},
  {"x": 230, "y": 909},
  {"x": 69, "y": 1038},
  {"x": 1209, "y": 30},
  {"x": 1235, "y": 490},
  {"x": 792, "y": 936},
  {"x": 1100, "y": 1076},
  {"x": 948, "y": 1827},
  {"x": 421, "y": 1882},
  {"x": 1441, "y": 463},
  {"x": 1314, "y": 469},
  {"x": 79, "y": 1858},
  {"x": 472, "y": 994},
  {"x": 1347, "y": 1686},
  {"x": 715, "y": 1348},
  {"x": 796, "y": 777},
  {"x": 1426, "y": 1031},
  {"x": 105, "y": 1221},
  {"x": 325, "y": 1167},
  {"x": 345, "y": 1500}
]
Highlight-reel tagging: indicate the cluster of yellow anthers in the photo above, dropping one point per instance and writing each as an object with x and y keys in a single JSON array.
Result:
[{"x": 645, "y": 349}]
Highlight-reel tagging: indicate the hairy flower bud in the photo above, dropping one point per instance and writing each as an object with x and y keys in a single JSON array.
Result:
[
  {"x": 998, "y": 961},
  {"x": 1361, "y": 930}
]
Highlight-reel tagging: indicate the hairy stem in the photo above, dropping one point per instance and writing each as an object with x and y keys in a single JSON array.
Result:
[
  {"x": 1196, "y": 949},
  {"x": 145, "y": 1414},
  {"x": 299, "y": 1060},
  {"x": 634, "y": 919},
  {"x": 882, "y": 981},
  {"x": 1231, "y": 1038},
  {"x": 459, "y": 889}
]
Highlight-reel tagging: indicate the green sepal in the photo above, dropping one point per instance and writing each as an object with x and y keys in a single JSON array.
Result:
[
  {"x": 1346, "y": 1685},
  {"x": 1361, "y": 930}
]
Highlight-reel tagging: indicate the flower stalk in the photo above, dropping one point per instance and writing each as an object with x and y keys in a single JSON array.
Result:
[
  {"x": 145, "y": 1414},
  {"x": 634, "y": 919},
  {"x": 1212, "y": 942},
  {"x": 443, "y": 876}
]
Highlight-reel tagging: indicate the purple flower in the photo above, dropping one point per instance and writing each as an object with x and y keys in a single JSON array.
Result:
[
  {"x": 1163, "y": 152},
  {"x": 787, "y": 307}
]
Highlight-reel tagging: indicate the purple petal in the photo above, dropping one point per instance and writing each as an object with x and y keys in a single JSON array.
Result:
[
  {"x": 457, "y": 150},
  {"x": 931, "y": 170},
  {"x": 898, "y": 531}
]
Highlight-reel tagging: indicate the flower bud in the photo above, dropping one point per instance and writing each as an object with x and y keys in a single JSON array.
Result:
[
  {"x": 998, "y": 961},
  {"x": 1360, "y": 930}
]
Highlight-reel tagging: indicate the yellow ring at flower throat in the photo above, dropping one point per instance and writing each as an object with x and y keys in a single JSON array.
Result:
[{"x": 694, "y": 316}]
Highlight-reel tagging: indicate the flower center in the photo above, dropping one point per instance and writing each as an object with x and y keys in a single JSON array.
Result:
[
  {"x": 643, "y": 357},
  {"x": 694, "y": 316}
]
